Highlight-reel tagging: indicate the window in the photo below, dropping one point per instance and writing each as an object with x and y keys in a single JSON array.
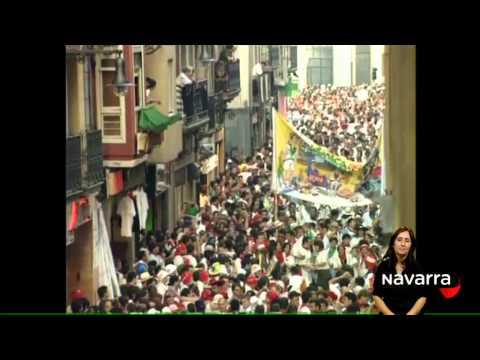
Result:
[
  {"x": 110, "y": 107},
  {"x": 183, "y": 56},
  {"x": 320, "y": 67},
  {"x": 362, "y": 64},
  {"x": 275, "y": 55},
  {"x": 187, "y": 56},
  {"x": 293, "y": 57}
]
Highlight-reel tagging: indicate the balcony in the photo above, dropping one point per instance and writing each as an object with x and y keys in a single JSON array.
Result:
[
  {"x": 73, "y": 165},
  {"x": 215, "y": 111},
  {"x": 229, "y": 84},
  {"x": 84, "y": 167},
  {"x": 195, "y": 104},
  {"x": 94, "y": 157}
]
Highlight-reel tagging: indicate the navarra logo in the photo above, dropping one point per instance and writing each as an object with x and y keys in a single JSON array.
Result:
[{"x": 417, "y": 279}]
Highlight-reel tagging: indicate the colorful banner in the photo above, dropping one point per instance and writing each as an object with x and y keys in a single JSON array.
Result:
[{"x": 301, "y": 165}]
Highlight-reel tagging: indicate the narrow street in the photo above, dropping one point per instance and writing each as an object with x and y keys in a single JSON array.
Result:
[{"x": 244, "y": 179}]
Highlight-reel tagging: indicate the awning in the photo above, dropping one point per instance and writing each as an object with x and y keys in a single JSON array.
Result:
[{"x": 153, "y": 120}]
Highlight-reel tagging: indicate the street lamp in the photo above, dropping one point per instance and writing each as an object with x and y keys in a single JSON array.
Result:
[
  {"x": 205, "y": 56},
  {"x": 120, "y": 84}
]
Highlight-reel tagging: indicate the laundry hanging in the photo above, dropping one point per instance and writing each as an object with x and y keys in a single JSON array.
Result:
[{"x": 126, "y": 209}]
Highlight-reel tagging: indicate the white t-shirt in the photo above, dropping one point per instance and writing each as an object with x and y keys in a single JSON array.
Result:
[
  {"x": 295, "y": 281},
  {"x": 307, "y": 257},
  {"x": 334, "y": 261},
  {"x": 298, "y": 250},
  {"x": 321, "y": 258}
]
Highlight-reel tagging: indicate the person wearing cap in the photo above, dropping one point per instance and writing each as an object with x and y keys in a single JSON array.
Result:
[{"x": 141, "y": 265}]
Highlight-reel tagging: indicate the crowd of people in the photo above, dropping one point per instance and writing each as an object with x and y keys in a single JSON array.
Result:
[
  {"x": 248, "y": 251},
  {"x": 346, "y": 120}
]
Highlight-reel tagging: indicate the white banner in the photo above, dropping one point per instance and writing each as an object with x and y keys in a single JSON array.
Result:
[{"x": 209, "y": 164}]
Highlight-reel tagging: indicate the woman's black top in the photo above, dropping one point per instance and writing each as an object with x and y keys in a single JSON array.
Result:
[{"x": 399, "y": 298}]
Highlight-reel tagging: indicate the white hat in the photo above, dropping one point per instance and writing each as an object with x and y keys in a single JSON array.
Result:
[
  {"x": 242, "y": 271},
  {"x": 145, "y": 276},
  {"x": 178, "y": 260},
  {"x": 255, "y": 268},
  {"x": 162, "y": 274},
  {"x": 170, "y": 268}
]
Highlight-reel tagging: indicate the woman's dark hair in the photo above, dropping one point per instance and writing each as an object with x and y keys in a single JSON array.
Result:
[
  {"x": 390, "y": 256},
  {"x": 191, "y": 308},
  {"x": 184, "y": 292},
  {"x": 319, "y": 244}
]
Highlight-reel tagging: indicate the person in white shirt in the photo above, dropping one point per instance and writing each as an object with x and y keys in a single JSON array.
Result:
[
  {"x": 296, "y": 281},
  {"x": 297, "y": 248},
  {"x": 306, "y": 261},
  {"x": 333, "y": 257},
  {"x": 155, "y": 256},
  {"x": 320, "y": 265},
  {"x": 322, "y": 234}
]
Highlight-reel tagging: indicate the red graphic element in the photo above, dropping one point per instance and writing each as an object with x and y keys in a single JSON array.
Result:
[{"x": 449, "y": 293}]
